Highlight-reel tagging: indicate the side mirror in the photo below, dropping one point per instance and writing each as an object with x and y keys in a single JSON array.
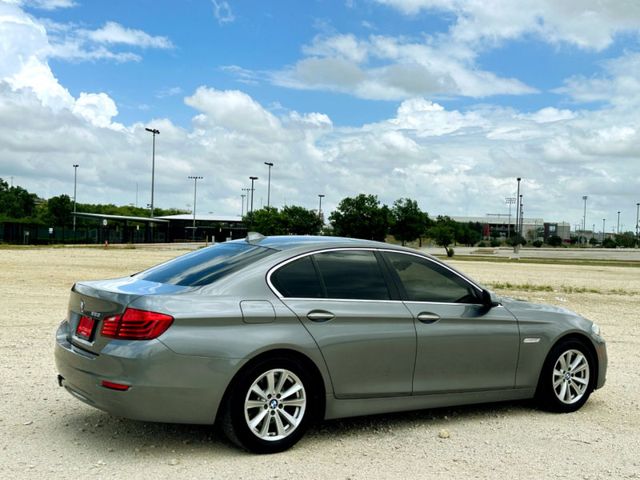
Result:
[{"x": 487, "y": 300}]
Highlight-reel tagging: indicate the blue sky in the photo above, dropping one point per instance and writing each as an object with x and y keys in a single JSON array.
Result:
[{"x": 445, "y": 101}]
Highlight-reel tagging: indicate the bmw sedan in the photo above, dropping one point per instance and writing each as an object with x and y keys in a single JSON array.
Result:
[{"x": 268, "y": 334}]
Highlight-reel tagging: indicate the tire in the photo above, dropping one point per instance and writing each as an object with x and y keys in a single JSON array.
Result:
[
  {"x": 567, "y": 378},
  {"x": 270, "y": 406}
]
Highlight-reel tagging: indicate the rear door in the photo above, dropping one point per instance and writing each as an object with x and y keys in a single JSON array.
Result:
[
  {"x": 461, "y": 345},
  {"x": 366, "y": 335}
]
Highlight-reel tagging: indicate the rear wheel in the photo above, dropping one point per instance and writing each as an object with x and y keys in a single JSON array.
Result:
[
  {"x": 270, "y": 406},
  {"x": 567, "y": 378}
]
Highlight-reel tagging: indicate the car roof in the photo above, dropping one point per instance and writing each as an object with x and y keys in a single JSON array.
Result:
[{"x": 292, "y": 242}]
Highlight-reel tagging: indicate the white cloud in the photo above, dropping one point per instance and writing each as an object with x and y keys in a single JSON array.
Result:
[
  {"x": 397, "y": 69},
  {"x": 452, "y": 161},
  {"x": 590, "y": 24},
  {"x": 619, "y": 84},
  {"x": 47, "y": 4},
  {"x": 114, "y": 33},
  {"x": 222, "y": 11}
]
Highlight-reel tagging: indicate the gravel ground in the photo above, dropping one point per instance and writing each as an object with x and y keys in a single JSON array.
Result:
[{"x": 46, "y": 433}]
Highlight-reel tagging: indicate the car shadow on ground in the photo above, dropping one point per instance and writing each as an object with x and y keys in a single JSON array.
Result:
[{"x": 89, "y": 428}]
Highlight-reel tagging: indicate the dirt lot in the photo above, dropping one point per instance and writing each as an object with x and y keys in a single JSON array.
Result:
[{"x": 46, "y": 433}]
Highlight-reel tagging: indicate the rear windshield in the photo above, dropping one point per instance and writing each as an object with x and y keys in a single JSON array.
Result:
[{"x": 207, "y": 265}]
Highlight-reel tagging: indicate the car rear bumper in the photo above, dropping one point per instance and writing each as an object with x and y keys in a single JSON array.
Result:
[{"x": 163, "y": 386}]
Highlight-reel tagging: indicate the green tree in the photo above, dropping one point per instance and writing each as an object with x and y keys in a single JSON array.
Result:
[
  {"x": 16, "y": 202},
  {"x": 59, "y": 211},
  {"x": 554, "y": 241},
  {"x": 408, "y": 222},
  {"x": 443, "y": 233},
  {"x": 468, "y": 233},
  {"x": 266, "y": 221},
  {"x": 361, "y": 217},
  {"x": 626, "y": 239},
  {"x": 300, "y": 221}
]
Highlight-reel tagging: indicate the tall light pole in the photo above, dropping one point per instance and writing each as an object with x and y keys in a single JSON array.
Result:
[
  {"x": 637, "y": 224},
  {"x": 518, "y": 209},
  {"x": 75, "y": 184},
  {"x": 584, "y": 214},
  {"x": 154, "y": 132},
  {"x": 242, "y": 207},
  {"x": 269, "y": 164},
  {"x": 247, "y": 194},
  {"x": 603, "y": 220},
  {"x": 253, "y": 179},
  {"x": 320, "y": 197},
  {"x": 195, "y": 188},
  {"x": 618, "y": 225},
  {"x": 509, "y": 201},
  {"x": 521, "y": 227}
]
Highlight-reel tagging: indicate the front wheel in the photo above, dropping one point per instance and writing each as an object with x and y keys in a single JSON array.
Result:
[
  {"x": 270, "y": 406},
  {"x": 567, "y": 378}
]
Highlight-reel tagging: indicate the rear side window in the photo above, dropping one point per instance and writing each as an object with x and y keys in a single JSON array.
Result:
[
  {"x": 207, "y": 265},
  {"x": 425, "y": 281},
  {"x": 298, "y": 279},
  {"x": 352, "y": 274}
]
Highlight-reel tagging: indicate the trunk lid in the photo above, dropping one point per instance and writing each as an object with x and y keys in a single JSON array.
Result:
[{"x": 91, "y": 302}]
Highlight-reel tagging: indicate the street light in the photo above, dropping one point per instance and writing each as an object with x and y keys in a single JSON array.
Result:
[
  {"x": 637, "y": 224},
  {"x": 603, "y": 220},
  {"x": 253, "y": 179},
  {"x": 584, "y": 215},
  {"x": 269, "y": 164},
  {"x": 518, "y": 209},
  {"x": 618, "y": 226},
  {"x": 521, "y": 227},
  {"x": 195, "y": 187},
  {"x": 509, "y": 201},
  {"x": 320, "y": 197},
  {"x": 154, "y": 132},
  {"x": 75, "y": 183},
  {"x": 247, "y": 194}
]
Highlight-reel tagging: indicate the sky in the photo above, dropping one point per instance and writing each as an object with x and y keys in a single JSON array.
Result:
[{"x": 443, "y": 101}]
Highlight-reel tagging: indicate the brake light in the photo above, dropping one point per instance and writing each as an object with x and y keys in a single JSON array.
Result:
[{"x": 136, "y": 324}]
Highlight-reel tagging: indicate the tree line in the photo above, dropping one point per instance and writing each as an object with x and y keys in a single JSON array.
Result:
[
  {"x": 20, "y": 206},
  {"x": 363, "y": 216}
]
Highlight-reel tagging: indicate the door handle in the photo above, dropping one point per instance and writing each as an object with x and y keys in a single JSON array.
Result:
[
  {"x": 320, "y": 315},
  {"x": 428, "y": 317}
]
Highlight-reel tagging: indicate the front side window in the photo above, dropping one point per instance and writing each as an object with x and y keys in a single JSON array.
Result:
[
  {"x": 352, "y": 274},
  {"x": 426, "y": 281}
]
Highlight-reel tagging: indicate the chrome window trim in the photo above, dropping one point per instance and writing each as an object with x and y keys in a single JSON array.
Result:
[{"x": 278, "y": 266}]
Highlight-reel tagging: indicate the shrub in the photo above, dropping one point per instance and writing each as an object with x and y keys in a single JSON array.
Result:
[{"x": 537, "y": 243}]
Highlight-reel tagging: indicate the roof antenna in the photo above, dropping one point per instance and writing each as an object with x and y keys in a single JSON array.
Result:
[{"x": 254, "y": 237}]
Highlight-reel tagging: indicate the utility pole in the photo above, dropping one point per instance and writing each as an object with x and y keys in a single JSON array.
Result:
[
  {"x": 195, "y": 188},
  {"x": 618, "y": 226},
  {"x": 154, "y": 132},
  {"x": 518, "y": 209},
  {"x": 242, "y": 207},
  {"x": 75, "y": 184},
  {"x": 253, "y": 179},
  {"x": 269, "y": 164}
]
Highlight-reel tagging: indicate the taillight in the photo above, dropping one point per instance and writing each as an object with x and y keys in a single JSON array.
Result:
[{"x": 136, "y": 324}]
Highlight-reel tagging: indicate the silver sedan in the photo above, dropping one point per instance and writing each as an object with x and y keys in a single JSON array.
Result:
[{"x": 267, "y": 335}]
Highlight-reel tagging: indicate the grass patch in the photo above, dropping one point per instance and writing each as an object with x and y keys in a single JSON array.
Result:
[
  {"x": 528, "y": 287},
  {"x": 545, "y": 261}
]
